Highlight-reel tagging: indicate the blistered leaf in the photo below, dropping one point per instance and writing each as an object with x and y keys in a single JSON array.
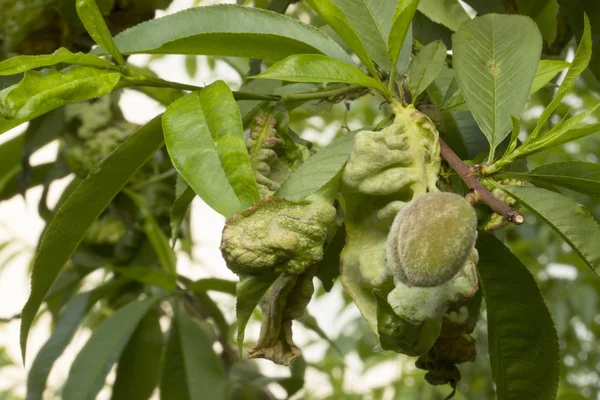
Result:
[
  {"x": 20, "y": 64},
  {"x": 495, "y": 58},
  {"x": 40, "y": 92},
  {"x": 523, "y": 345},
  {"x": 94, "y": 24},
  {"x": 567, "y": 217},
  {"x": 205, "y": 139},
  {"x": 93, "y": 363},
  {"x": 228, "y": 30},
  {"x": 66, "y": 230},
  {"x": 318, "y": 68}
]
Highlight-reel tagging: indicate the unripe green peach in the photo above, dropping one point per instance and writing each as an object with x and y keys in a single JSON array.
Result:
[{"x": 430, "y": 239}]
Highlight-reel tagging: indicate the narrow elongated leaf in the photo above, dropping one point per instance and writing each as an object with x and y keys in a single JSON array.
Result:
[
  {"x": 139, "y": 365},
  {"x": 103, "y": 349},
  {"x": 567, "y": 217},
  {"x": 338, "y": 21},
  {"x": 372, "y": 21},
  {"x": 400, "y": 27},
  {"x": 20, "y": 64},
  {"x": 249, "y": 291},
  {"x": 583, "y": 177},
  {"x": 183, "y": 199},
  {"x": 40, "y": 92},
  {"x": 318, "y": 170},
  {"x": 523, "y": 344},
  {"x": 160, "y": 244},
  {"x": 425, "y": 67},
  {"x": 219, "y": 285},
  {"x": 149, "y": 275},
  {"x": 192, "y": 370},
  {"x": 579, "y": 63},
  {"x": 546, "y": 71},
  {"x": 543, "y": 12},
  {"x": 495, "y": 58},
  {"x": 228, "y": 30},
  {"x": 84, "y": 205},
  {"x": 318, "y": 68},
  {"x": 449, "y": 13},
  {"x": 68, "y": 322},
  {"x": 94, "y": 24},
  {"x": 205, "y": 139}
]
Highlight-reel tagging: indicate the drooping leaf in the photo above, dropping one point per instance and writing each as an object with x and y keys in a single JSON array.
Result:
[
  {"x": 546, "y": 71},
  {"x": 249, "y": 291},
  {"x": 183, "y": 199},
  {"x": 94, "y": 24},
  {"x": 68, "y": 322},
  {"x": 205, "y": 140},
  {"x": 103, "y": 349},
  {"x": 66, "y": 230},
  {"x": 160, "y": 244},
  {"x": 191, "y": 370},
  {"x": 523, "y": 344},
  {"x": 495, "y": 58},
  {"x": 579, "y": 63},
  {"x": 139, "y": 366},
  {"x": 228, "y": 30},
  {"x": 372, "y": 21},
  {"x": 401, "y": 27},
  {"x": 40, "y": 92},
  {"x": 318, "y": 170},
  {"x": 567, "y": 217},
  {"x": 318, "y": 68},
  {"x": 449, "y": 13},
  {"x": 425, "y": 67},
  {"x": 216, "y": 284},
  {"x": 338, "y": 21},
  {"x": 149, "y": 275},
  {"x": 18, "y": 64}
]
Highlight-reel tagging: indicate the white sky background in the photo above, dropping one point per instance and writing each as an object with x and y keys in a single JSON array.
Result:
[{"x": 19, "y": 222}]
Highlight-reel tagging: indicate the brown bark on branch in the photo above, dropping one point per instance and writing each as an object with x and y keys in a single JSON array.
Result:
[{"x": 478, "y": 192}]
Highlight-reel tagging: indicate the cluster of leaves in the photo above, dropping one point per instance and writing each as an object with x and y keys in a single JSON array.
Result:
[{"x": 477, "y": 97}]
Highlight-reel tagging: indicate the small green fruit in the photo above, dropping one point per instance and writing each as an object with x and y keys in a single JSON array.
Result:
[{"x": 431, "y": 239}]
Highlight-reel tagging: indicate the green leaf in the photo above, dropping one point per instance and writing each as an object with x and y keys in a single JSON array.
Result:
[
  {"x": 318, "y": 170},
  {"x": 544, "y": 13},
  {"x": 523, "y": 344},
  {"x": 250, "y": 289},
  {"x": 20, "y": 64},
  {"x": 567, "y": 217},
  {"x": 573, "y": 12},
  {"x": 205, "y": 139},
  {"x": 582, "y": 177},
  {"x": 102, "y": 350},
  {"x": 338, "y": 21},
  {"x": 139, "y": 366},
  {"x": 70, "y": 318},
  {"x": 449, "y": 13},
  {"x": 329, "y": 267},
  {"x": 495, "y": 58},
  {"x": 400, "y": 27},
  {"x": 425, "y": 67},
  {"x": 318, "y": 68},
  {"x": 149, "y": 275},
  {"x": 40, "y": 92},
  {"x": 94, "y": 24},
  {"x": 579, "y": 63},
  {"x": 372, "y": 21},
  {"x": 64, "y": 232},
  {"x": 228, "y": 30},
  {"x": 216, "y": 284},
  {"x": 546, "y": 71},
  {"x": 191, "y": 370},
  {"x": 160, "y": 244},
  {"x": 183, "y": 199}
]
